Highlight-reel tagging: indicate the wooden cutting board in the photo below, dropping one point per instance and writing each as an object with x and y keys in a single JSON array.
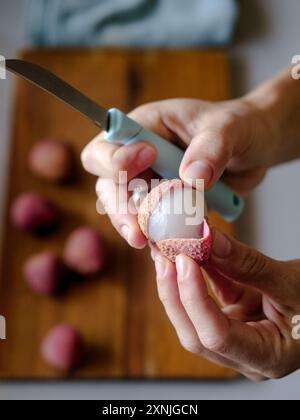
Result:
[{"x": 119, "y": 314}]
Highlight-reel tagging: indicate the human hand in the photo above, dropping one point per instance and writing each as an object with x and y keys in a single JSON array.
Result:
[
  {"x": 227, "y": 138},
  {"x": 259, "y": 297}
]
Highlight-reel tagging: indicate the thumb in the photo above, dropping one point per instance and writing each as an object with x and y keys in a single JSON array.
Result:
[
  {"x": 206, "y": 157},
  {"x": 247, "y": 266}
]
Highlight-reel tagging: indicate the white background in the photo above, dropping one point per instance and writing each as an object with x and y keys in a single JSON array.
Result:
[{"x": 269, "y": 36}]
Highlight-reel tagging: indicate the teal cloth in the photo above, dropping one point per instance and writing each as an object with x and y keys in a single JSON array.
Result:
[{"x": 152, "y": 23}]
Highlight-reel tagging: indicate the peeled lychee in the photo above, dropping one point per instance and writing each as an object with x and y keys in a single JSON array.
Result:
[
  {"x": 173, "y": 217},
  {"x": 52, "y": 160},
  {"x": 63, "y": 348},
  {"x": 85, "y": 252},
  {"x": 45, "y": 273},
  {"x": 33, "y": 212}
]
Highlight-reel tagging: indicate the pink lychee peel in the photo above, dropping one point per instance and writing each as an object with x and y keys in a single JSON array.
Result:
[{"x": 197, "y": 249}]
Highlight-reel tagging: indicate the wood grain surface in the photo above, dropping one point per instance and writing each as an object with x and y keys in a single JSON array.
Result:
[{"x": 119, "y": 314}]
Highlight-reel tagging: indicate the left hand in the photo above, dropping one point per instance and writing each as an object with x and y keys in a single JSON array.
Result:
[{"x": 252, "y": 333}]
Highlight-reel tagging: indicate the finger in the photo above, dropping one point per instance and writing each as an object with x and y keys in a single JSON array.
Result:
[
  {"x": 232, "y": 339},
  {"x": 244, "y": 182},
  {"x": 152, "y": 117},
  {"x": 206, "y": 158},
  {"x": 249, "y": 267},
  {"x": 245, "y": 311},
  {"x": 255, "y": 377},
  {"x": 241, "y": 303},
  {"x": 196, "y": 300},
  {"x": 115, "y": 199},
  {"x": 173, "y": 119},
  {"x": 105, "y": 159},
  {"x": 227, "y": 291},
  {"x": 169, "y": 296}
]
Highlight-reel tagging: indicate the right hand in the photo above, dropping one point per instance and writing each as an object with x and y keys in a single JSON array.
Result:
[{"x": 221, "y": 139}]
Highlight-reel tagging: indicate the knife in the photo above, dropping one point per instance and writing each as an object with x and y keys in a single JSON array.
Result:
[{"x": 121, "y": 129}]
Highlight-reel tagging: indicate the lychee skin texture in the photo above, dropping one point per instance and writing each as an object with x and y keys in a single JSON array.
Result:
[
  {"x": 45, "y": 273},
  {"x": 63, "y": 348},
  {"x": 33, "y": 212},
  {"x": 51, "y": 160},
  {"x": 197, "y": 249},
  {"x": 85, "y": 252}
]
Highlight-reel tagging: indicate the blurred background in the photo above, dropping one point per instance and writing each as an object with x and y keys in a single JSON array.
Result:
[{"x": 259, "y": 39}]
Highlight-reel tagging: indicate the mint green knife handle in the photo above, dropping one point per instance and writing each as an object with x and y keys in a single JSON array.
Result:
[{"x": 124, "y": 130}]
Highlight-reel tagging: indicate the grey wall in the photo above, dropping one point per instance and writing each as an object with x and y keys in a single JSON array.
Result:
[{"x": 268, "y": 37}]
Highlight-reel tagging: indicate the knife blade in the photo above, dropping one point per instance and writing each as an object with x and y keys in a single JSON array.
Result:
[
  {"x": 121, "y": 129},
  {"x": 52, "y": 84}
]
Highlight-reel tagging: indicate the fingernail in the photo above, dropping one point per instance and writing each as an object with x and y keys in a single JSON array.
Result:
[
  {"x": 160, "y": 267},
  {"x": 125, "y": 232},
  {"x": 145, "y": 157},
  {"x": 181, "y": 267},
  {"x": 221, "y": 245},
  {"x": 198, "y": 170}
]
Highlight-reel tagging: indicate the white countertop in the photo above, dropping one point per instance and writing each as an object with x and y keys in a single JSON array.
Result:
[{"x": 271, "y": 220}]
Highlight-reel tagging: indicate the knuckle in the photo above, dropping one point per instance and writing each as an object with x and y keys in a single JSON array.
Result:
[
  {"x": 217, "y": 344},
  {"x": 163, "y": 295},
  {"x": 144, "y": 109},
  {"x": 230, "y": 121},
  {"x": 274, "y": 369},
  {"x": 222, "y": 147},
  {"x": 146, "y": 114},
  {"x": 191, "y": 346},
  {"x": 256, "y": 377},
  {"x": 91, "y": 150},
  {"x": 118, "y": 173},
  {"x": 84, "y": 157},
  {"x": 139, "y": 111},
  {"x": 252, "y": 264},
  {"x": 101, "y": 186},
  {"x": 188, "y": 300},
  {"x": 164, "y": 299},
  {"x": 119, "y": 162},
  {"x": 276, "y": 374}
]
